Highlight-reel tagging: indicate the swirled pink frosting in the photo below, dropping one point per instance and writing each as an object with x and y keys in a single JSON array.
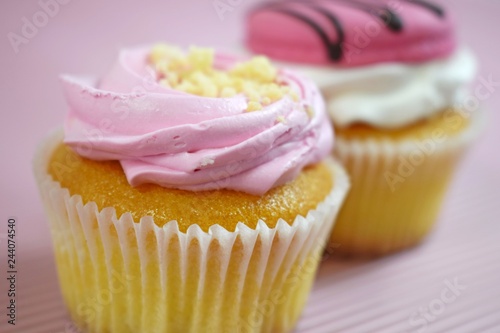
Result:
[{"x": 184, "y": 141}]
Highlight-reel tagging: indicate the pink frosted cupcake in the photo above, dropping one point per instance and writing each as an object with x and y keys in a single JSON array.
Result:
[
  {"x": 190, "y": 192},
  {"x": 395, "y": 83}
]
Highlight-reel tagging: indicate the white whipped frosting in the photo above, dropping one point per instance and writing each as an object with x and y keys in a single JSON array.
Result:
[{"x": 393, "y": 95}]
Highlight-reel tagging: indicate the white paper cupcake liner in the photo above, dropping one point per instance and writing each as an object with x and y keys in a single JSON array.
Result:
[
  {"x": 121, "y": 276},
  {"x": 393, "y": 204}
]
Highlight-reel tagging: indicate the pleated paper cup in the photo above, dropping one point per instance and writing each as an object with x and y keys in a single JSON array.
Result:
[
  {"x": 118, "y": 275},
  {"x": 397, "y": 188}
]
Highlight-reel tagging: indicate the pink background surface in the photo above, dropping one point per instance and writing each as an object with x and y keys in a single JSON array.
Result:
[{"x": 84, "y": 37}]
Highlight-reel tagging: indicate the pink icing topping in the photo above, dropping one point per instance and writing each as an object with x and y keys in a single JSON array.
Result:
[
  {"x": 183, "y": 141},
  {"x": 351, "y": 32}
]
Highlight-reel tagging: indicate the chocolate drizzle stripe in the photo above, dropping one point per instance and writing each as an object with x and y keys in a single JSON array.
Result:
[
  {"x": 382, "y": 12},
  {"x": 332, "y": 18},
  {"x": 439, "y": 11},
  {"x": 334, "y": 49}
]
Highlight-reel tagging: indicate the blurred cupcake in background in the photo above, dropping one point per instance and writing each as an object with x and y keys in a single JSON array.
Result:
[
  {"x": 190, "y": 192},
  {"x": 396, "y": 88}
]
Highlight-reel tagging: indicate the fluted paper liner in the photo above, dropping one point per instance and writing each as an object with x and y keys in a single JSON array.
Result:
[
  {"x": 121, "y": 276},
  {"x": 393, "y": 205}
]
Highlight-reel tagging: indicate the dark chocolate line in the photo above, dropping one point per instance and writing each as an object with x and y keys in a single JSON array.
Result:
[
  {"x": 439, "y": 11},
  {"x": 331, "y": 17},
  {"x": 334, "y": 49},
  {"x": 382, "y": 12}
]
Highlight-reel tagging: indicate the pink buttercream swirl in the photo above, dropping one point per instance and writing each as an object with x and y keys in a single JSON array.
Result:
[{"x": 178, "y": 140}]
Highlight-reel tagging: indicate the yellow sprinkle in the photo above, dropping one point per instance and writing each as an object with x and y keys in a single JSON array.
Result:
[
  {"x": 193, "y": 72},
  {"x": 273, "y": 91},
  {"x": 209, "y": 90},
  {"x": 173, "y": 79},
  {"x": 259, "y": 68},
  {"x": 254, "y": 106},
  {"x": 228, "y": 92},
  {"x": 251, "y": 92},
  {"x": 188, "y": 87},
  {"x": 199, "y": 77},
  {"x": 237, "y": 83},
  {"x": 201, "y": 58},
  {"x": 309, "y": 110},
  {"x": 281, "y": 119},
  {"x": 222, "y": 79},
  {"x": 294, "y": 96},
  {"x": 179, "y": 65},
  {"x": 163, "y": 51}
]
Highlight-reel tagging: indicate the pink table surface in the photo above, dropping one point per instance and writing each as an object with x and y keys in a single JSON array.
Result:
[{"x": 349, "y": 296}]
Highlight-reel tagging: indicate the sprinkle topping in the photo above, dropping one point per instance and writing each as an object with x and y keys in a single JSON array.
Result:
[{"x": 194, "y": 72}]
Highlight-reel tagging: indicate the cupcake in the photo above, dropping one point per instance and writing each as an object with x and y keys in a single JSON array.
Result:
[
  {"x": 190, "y": 191},
  {"x": 395, "y": 84}
]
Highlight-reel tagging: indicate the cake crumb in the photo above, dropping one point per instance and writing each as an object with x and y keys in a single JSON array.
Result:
[
  {"x": 309, "y": 110},
  {"x": 207, "y": 161},
  {"x": 193, "y": 72},
  {"x": 254, "y": 106}
]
